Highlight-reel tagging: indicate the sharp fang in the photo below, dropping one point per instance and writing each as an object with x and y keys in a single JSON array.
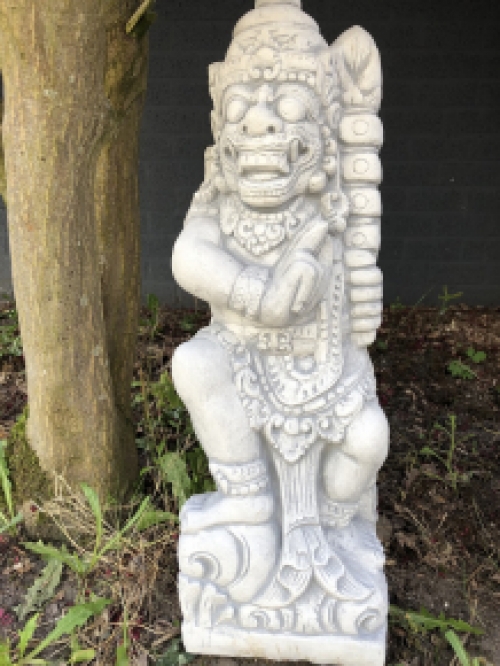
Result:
[{"x": 294, "y": 150}]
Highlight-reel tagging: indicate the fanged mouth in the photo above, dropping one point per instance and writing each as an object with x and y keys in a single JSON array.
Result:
[{"x": 266, "y": 163}]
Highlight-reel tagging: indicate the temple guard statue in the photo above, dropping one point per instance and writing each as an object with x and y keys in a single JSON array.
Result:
[{"x": 282, "y": 238}]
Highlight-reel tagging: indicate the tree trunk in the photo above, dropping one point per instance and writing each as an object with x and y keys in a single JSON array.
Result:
[
  {"x": 3, "y": 180},
  {"x": 74, "y": 85}
]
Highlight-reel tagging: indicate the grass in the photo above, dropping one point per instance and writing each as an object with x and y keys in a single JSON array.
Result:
[
  {"x": 9, "y": 520},
  {"x": 450, "y": 440}
]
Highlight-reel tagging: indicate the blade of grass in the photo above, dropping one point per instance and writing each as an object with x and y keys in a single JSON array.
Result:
[
  {"x": 26, "y": 634},
  {"x": 458, "y": 648}
]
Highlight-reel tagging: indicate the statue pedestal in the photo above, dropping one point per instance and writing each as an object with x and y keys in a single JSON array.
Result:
[{"x": 334, "y": 651}]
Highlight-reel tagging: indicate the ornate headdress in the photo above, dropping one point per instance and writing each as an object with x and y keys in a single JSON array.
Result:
[{"x": 276, "y": 41}]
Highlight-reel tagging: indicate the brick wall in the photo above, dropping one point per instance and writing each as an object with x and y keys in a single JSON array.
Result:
[{"x": 441, "y": 158}]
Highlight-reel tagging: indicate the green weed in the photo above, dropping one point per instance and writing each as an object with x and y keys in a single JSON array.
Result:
[
  {"x": 446, "y": 298},
  {"x": 476, "y": 356},
  {"x": 10, "y": 340},
  {"x": 189, "y": 322},
  {"x": 422, "y": 621},
  {"x": 122, "y": 651},
  {"x": 464, "y": 371},
  {"x": 460, "y": 652},
  {"x": 397, "y": 305},
  {"x": 181, "y": 472},
  {"x": 77, "y": 616},
  {"x": 42, "y": 590},
  {"x": 154, "y": 312},
  {"x": 9, "y": 520},
  {"x": 106, "y": 540},
  {"x": 175, "y": 655},
  {"x": 447, "y": 460}
]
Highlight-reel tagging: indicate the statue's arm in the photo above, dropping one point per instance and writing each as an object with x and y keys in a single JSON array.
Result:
[
  {"x": 201, "y": 266},
  {"x": 274, "y": 297}
]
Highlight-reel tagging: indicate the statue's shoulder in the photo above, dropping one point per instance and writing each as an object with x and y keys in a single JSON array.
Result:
[{"x": 204, "y": 209}]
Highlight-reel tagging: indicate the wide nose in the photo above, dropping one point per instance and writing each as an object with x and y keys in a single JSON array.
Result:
[{"x": 261, "y": 119}]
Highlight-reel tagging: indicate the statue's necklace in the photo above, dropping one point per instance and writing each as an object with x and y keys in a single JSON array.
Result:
[{"x": 260, "y": 233}]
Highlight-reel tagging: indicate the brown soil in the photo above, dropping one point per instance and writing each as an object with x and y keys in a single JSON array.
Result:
[{"x": 440, "y": 526}]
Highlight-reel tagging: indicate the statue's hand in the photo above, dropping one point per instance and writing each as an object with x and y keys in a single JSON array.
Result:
[
  {"x": 290, "y": 290},
  {"x": 366, "y": 304}
]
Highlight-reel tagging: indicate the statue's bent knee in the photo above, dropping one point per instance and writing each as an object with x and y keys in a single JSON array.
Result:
[
  {"x": 199, "y": 369},
  {"x": 367, "y": 438}
]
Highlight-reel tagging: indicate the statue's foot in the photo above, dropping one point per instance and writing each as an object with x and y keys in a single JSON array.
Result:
[
  {"x": 213, "y": 509},
  {"x": 359, "y": 541}
]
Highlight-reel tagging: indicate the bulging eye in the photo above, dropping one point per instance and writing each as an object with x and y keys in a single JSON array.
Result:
[
  {"x": 236, "y": 109},
  {"x": 292, "y": 110}
]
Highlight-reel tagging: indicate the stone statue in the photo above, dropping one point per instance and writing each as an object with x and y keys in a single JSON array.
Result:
[{"x": 281, "y": 240}]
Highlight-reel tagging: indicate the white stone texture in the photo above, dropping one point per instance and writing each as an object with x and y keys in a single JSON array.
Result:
[{"x": 282, "y": 239}]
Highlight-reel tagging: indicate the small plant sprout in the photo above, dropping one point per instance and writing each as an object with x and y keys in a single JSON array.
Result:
[
  {"x": 459, "y": 369},
  {"x": 452, "y": 475},
  {"x": 397, "y": 305},
  {"x": 476, "y": 356},
  {"x": 462, "y": 370},
  {"x": 446, "y": 298}
]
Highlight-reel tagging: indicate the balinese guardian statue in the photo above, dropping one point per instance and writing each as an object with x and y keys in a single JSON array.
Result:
[{"x": 282, "y": 239}]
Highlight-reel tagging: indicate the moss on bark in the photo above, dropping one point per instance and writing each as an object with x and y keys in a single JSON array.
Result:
[{"x": 29, "y": 481}]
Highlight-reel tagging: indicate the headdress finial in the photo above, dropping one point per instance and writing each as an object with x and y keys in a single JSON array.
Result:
[{"x": 263, "y": 3}]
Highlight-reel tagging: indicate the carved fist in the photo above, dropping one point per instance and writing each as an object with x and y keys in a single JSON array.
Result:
[
  {"x": 366, "y": 304},
  {"x": 290, "y": 290}
]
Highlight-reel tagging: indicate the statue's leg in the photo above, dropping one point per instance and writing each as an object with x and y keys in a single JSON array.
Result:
[
  {"x": 203, "y": 377},
  {"x": 350, "y": 469},
  {"x": 349, "y": 474}
]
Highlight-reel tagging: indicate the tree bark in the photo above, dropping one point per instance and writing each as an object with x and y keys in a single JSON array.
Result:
[
  {"x": 74, "y": 85},
  {"x": 3, "y": 179}
]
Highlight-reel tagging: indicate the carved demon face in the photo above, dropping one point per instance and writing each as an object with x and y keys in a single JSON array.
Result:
[{"x": 271, "y": 143}]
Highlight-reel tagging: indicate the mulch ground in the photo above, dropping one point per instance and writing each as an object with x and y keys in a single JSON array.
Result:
[{"x": 439, "y": 507}]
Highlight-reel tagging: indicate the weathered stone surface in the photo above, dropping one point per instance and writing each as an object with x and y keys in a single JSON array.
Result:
[{"x": 283, "y": 560}]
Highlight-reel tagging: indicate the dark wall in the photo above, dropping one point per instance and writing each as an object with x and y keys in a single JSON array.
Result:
[{"x": 441, "y": 158}]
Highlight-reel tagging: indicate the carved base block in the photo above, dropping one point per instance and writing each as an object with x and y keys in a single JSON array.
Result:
[
  {"x": 320, "y": 596},
  {"x": 332, "y": 650}
]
